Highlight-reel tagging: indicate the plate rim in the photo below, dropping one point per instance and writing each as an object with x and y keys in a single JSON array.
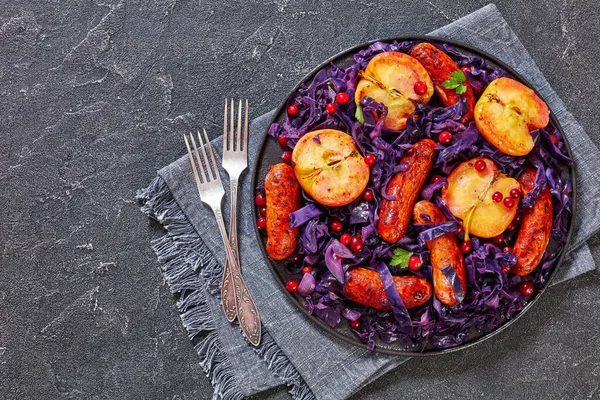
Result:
[{"x": 355, "y": 341}]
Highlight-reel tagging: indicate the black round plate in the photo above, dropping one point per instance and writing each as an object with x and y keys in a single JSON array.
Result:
[{"x": 270, "y": 153}]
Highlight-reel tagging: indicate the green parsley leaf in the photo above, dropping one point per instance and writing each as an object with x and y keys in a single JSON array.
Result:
[
  {"x": 450, "y": 85},
  {"x": 458, "y": 76},
  {"x": 456, "y": 82},
  {"x": 400, "y": 258},
  {"x": 461, "y": 89},
  {"x": 358, "y": 115}
]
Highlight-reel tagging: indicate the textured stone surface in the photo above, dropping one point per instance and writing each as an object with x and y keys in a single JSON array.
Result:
[{"x": 94, "y": 97}]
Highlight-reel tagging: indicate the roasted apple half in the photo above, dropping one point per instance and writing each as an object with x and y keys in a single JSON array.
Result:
[
  {"x": 390, "y": 79},
  {"x": 507, "y": 112},
  {"x": 329, "y": 167},
  {"x": 471, "y": 195}
]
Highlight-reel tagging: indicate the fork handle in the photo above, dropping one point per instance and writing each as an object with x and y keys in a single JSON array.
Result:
[
  {"x": 228, "y": 294},
  {"x": 247, "y": 312}
]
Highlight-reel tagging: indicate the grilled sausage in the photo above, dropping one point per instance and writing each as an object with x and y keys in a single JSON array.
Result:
[
  {"x": 282, "y": 193},
  {"x": 364, "y": 286},
  {"x": 444, "y": 252},
  {"x": 405, "y": 186},
  {"x": 439, "y": 65},
  {"x": 536, "y": 226}
]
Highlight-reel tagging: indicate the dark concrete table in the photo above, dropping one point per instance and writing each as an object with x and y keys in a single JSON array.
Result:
[{"x": 94, "y": 98}]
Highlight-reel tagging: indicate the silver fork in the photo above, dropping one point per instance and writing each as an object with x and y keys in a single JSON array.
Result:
[
  {"x": 211, "y": 192},
  {"x": 235, "y": 161}
]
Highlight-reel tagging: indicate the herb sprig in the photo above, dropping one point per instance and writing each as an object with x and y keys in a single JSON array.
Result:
[
  {"x": 400, "y": 258},
  {"x": 456, "y": 82}
]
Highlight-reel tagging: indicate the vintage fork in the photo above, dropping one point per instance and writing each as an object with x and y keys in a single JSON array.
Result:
[
  {"x": 235, "y": 161},
  {"x": 211, "y": 192}
]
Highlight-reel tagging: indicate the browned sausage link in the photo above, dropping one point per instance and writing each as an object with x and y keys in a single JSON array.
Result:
[
  {"x": 405, "y": 186},
  {"x": 443, "y": 251},
  {"x": 439, "y": 65},
  {"x": 536, "y": 227},
  {"x": 364, "y": 286},
  {"x": 283, "y": 197}
]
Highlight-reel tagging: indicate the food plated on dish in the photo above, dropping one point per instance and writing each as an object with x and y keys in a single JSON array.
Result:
[{"x": 423, "y": 196}]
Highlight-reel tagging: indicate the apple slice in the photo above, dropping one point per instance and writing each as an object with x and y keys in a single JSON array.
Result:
[
  {"x": 329, "y": 167},
  {"x": 390, "y": 79},
  {"x": 489, "y": 218},
  {"x": 507, "y": 112},
  {"x": 466, "y": 185},
  {"x": 469, "y": 197}
]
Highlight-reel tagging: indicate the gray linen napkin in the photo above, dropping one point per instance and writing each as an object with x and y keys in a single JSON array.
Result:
[{"x": 295, "y": 351}]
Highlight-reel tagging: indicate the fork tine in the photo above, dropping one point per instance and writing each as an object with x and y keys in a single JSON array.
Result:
[
  {"x": 209, "y": 171},
  {"x": 231, "y": 130},
  {"x": 192, "y": 162},
  {"x": 212, "y": 156},
  {"x": 239, "y": 126},
  {"x": 246, "y": 128},
  {"x": 225, "y": 128},
  {"x": 200, "y": 166}
]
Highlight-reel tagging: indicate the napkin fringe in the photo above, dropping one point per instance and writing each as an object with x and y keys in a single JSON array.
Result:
[
  {"x": 183, "y": 257},
  {"x": 180, "y": 262},
  {"x": 280, "y": 365}
]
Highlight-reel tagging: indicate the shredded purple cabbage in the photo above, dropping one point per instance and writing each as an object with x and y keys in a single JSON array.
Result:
[
  {"x": 455, "y": 282},
  {"x": 431, "y": 231},
  {"x": 398, "y": 308},
  {"x": 492, "y": 297},
  {"x": 303, "y": 215},
  {"x": 307, "y": 285}
]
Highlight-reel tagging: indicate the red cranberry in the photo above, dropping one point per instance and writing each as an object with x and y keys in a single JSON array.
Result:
[
  {"x": 508, "y": 202},
  {"x": 507, "y": 249},
  {"x": 369, "y": 159},
  {"x": 466, "y": 246},
  {"x": 342, "y": 98},
  {"x": 306, "y": 270},
  {"x": 292, "y": 285},
  {"x": 286, "y": 157},
  {"x": 260, "y": 200},
  {"x": 292, "y": 110},
  {"x": 368, "y": 195},
  {"x": 445, "y": 138},
  {"x": 497, "y": 197},
  {"x": 282, "y": 141},
  {"x": 460, "y": 230},
  {"x": 505, "y": 268},
  {"x": 263, "y": 211},
  {"x": 465, "y": 69},
  {"x": 515, "y": 193},
  {"x": 527, "y": 288},
  {"x": 355, "y": 324},
  {"x": 498, "y": 240},
  {"x": 480, "y": 165},
  {"x": 512, "y": 226},
  {"x": 261, "y": 223},
  {"x": 356, "y": 244},
  {"x": 414, "y": 262},
  {"x": 435, "y": 178},
  {"x": 420, "y": 87},
  {"x": 330, "y": 108},
  {"x": 336, "y": 226},
  {"x": 554, "y": 139},
  {"x": 345, "y": 239}
]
